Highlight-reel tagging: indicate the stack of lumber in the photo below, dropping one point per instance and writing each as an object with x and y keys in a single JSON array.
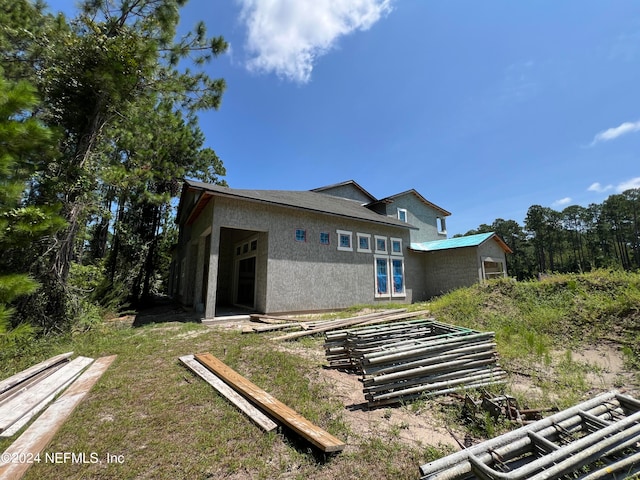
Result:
[
  {"x": 408, "y": 360},
  {"x": 311, "y": 326},
  {"x": 369, "y": 319},
  {"x": 24, "y": 395},
  {"x": 264, "y": 409}
]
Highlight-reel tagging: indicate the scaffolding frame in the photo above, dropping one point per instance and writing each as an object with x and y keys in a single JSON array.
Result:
[{"x": 596, "y": 439}]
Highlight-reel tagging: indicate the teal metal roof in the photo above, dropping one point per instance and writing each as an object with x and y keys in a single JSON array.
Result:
[{"x": 458, "y": 242}]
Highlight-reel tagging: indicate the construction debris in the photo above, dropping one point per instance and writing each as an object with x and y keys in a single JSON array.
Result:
[
  {"x": 406, "y": 360},
  {"x": 36, "y": 437},
  {"x": 599, "y": 438},
  {"x": 502, "y": 407},
  {"x": 370, "y": 319},
  {"x": 314, "y": 326},
  {"x": 272, "y": 406}
]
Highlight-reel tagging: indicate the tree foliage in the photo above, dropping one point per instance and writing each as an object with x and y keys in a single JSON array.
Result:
[
  {"x": 24, "y": 147},
  {"x": 576, "y": 239},
  {"x": 113, "y": 86}
]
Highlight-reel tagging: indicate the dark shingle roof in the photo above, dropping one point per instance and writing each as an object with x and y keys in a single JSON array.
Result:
[{"x": 304, "y": 200}]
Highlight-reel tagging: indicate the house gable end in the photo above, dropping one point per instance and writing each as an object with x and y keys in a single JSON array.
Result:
[{"x": 349, "y": 190}]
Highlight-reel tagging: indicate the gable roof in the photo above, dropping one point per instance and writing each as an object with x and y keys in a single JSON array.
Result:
[
  {"x": 413, "y": 191},
  {"x": 302, "y": 200},
  {"x": 352, "y": 183},
  {"x": 459, "y": 242}
]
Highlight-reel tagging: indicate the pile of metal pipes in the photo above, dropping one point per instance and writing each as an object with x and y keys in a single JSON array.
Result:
[
  {"x": 344, "y": 348},
  {"x": 415, "y": 359},
  {"x": 596, "y": 439}
]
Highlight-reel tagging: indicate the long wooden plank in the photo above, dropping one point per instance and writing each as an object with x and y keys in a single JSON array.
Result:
[
  {"x": 230, "y": 394},
  {"x": 26, "y": 418},
  {"x": 14, "y": 380},
  {"x": 271, "y": 405},
  {"x": 12, "y": 410},
  {"x": 350, "y": 323},
  {"x": 41, "y": 432}
]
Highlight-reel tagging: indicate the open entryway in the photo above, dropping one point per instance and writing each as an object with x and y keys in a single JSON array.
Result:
[{"x": 241, "y": 270}]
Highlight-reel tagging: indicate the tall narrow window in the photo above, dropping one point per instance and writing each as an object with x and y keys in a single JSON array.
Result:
[
  {"x": 396, "y": 246},
  {"x": 381, "y": 244},
  {"x": 397, "y": 270},
  {"x": 382, "y": 277},
  {"x": 402, "y": 214}
]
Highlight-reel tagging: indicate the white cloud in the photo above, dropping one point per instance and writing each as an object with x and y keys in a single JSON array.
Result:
[
  {"x": 597, "y": 187},
  {"x": 629, "y": 184},
  {"x": 561, "y": 202},
  {"x": 615, "y": 132},
  {"x": 287, "y": 36}
]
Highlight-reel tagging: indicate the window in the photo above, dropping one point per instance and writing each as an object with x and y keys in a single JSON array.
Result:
[
  {"x": 381, "y": 244},
  {"x": 364, "y": 242},
  {"x": 301, "y": 235},
  {"x": 324, "y": 238},
  {"x": 492, "y": 268},
  {"x": 389, "y": 277},
  {"x": 382, "y": 277},
  {"x": 396, "y": 246},
  {"x": 344, "y": 240},
  {"x": 442, "y": 225},
  {"x": 254, "y": 245},
  {"x": 397, "y": 270},
  {"x": 402, "y": 214}
]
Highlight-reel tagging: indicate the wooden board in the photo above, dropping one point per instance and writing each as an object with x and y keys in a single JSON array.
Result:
[
  {"x": 350, "y": 323},
  {"x": 230, "y": 394},
  {"x": 40, "y": 432},
  {"x": 272, "y": 406},
  {"x": 14, "y": 380},
  {"x": 19, "y": 405}
]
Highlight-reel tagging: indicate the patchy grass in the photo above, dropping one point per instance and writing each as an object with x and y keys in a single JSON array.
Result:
[
  {"x": 166, "y": 423},
  {"x": 538, "y": 324}
]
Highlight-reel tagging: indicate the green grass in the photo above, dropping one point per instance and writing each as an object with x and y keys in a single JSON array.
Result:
[
  {"x": 167, "y": 423},
  {"x": 538, "y": 324}
]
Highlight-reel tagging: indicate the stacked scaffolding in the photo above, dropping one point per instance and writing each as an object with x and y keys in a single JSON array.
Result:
[
  {"x": 413, "y": 359},
  {"x": 597, "y": 439}
]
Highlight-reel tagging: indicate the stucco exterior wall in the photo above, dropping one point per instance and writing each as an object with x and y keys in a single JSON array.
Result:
[
  {"x": 302, "y": 275},
  {"x": 419, "y": 215},
  {"x": 446, "y": 270}
]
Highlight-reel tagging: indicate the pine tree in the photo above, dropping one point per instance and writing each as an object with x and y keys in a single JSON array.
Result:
[{"x": 24, "y": 144}]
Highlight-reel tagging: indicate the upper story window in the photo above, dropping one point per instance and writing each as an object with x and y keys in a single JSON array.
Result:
[
  {"x": 344, "y": 240},
  {"x": 442, "y": 225},
  {"x": 396, "y": 246},
  {"x": 301, "y": 235},
  {"x": 381, "y": 244},
  {"x": 364, "y": 242},
  {"x": 402, "y": 214},
  {"x": 324, "y": 238}
]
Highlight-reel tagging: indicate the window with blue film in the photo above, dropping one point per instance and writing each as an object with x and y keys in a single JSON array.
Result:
[
  {"x": 396, "y": 246},
  {"x": 345, "y": 241},
  {"x": 398, "y": 276},
  {"x": 364, "y": 243},
  {"x": 324, "y": 238},
  {"x": 301, "y": 235},
  {"x": 382, "y": 275},
  {"x": 381, "y": 244}
]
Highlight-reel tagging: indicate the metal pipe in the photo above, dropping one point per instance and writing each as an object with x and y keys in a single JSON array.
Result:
[{"x": 508, "y": 439}]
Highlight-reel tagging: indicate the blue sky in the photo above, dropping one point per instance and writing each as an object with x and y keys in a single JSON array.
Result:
[{"x": 484, "y": 107}]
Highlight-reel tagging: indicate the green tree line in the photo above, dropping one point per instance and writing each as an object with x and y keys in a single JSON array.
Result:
[
  {"x": 576, "y": 239},
  {"x": 98, "y": 128}
]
